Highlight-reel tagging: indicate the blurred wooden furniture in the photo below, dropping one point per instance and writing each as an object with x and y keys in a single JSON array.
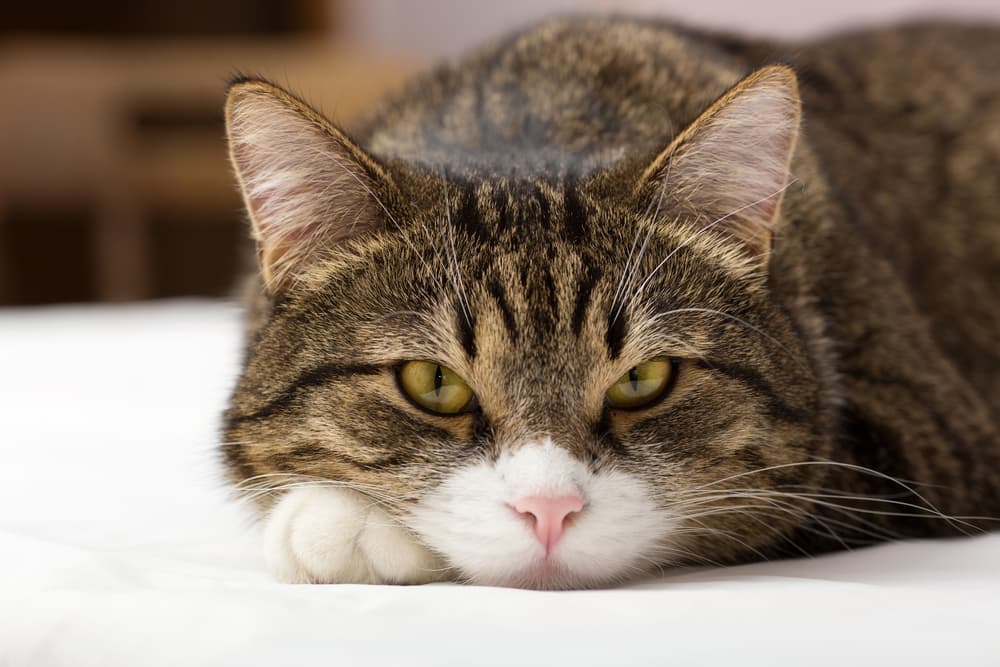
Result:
[{"x": 104, "y": 141}]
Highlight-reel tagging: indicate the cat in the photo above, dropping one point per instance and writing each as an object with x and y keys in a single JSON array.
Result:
[{"x": 611, "y": 296}]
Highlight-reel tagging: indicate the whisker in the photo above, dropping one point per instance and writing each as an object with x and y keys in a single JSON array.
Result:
[
  {"x": 253, "y": 493},
  {"x": 739, "y": 320},
  {"x": 632, "y": 267},
  {"x": 778, "y": 502},
  {"x": 705, "y": 230},
  {"x": 928, "y": 506},
  {"x": 460, "y": 286}
]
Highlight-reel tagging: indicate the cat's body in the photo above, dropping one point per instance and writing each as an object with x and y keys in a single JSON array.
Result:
[{"x": 579, "y": 199}]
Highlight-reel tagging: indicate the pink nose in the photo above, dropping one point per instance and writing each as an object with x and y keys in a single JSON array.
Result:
[{"x": 548, "y": 515}]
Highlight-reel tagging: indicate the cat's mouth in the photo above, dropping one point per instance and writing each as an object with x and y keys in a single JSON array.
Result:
[
  {"x": 547, "y": 573},
  {"x": 551, "y": 571}
]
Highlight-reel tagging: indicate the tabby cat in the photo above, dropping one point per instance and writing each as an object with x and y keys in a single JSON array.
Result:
[{"x": 611, "y": 296}]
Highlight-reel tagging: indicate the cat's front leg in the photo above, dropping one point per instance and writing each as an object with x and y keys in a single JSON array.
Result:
[{"x": 336, "y": 536}]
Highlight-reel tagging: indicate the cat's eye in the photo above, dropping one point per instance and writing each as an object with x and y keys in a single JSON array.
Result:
[
  {"x": 641, "y": 385},
  {"x": 434, "y": 387}
]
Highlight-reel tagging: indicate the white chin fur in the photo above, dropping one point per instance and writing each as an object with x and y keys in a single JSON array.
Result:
[
  {"x": 470, "y": 521},
  {"x": 330, "y": 535}
]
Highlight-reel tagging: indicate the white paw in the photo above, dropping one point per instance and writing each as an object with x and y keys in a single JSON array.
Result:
[{"x": 336, "y": 536}]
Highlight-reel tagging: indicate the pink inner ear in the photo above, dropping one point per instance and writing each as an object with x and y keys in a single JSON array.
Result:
[
  {"x": 730, "y": 167},
  {"x": 261, "y": 206},
  {"x": 306, "y": 185},
  {"x": 281, "y": 241}
]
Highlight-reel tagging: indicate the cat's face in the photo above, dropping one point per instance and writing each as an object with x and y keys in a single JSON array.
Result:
[{"x": 619, "y": 376}]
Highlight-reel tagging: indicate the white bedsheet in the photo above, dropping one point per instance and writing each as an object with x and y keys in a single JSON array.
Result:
[{"x": 117, "y": 546}]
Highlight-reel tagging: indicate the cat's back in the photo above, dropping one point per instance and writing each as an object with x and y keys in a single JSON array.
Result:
[
  {"x": 570, "y": 95},
  {"x": 907, "y": 126}
]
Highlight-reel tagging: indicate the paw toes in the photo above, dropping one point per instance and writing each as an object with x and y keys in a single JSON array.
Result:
[{"x": 330, "y": 535}]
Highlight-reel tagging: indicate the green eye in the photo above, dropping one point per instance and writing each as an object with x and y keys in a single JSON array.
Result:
[
  {"x": 434, "y": 387},
  {"x": 641, "y": 385}
]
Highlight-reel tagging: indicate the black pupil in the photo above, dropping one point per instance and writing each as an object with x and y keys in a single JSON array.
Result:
[
  {"x": 438, "y": 381},
  {"x": 633, "y": 378}
]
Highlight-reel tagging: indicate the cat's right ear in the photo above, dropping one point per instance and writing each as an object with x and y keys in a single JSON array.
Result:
[
  {"x": 305, "y": 184},
  {"x": 728, "y": 170}
]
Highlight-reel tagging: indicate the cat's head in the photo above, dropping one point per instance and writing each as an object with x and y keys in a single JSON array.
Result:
[{"x": 550, "y": 382}]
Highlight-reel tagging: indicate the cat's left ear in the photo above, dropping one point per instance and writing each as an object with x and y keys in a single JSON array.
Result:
[
  {"x": 728, "y": 170},
  {"x": 306, "y": 185}
]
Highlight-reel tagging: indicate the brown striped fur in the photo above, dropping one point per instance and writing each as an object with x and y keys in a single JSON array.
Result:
[{"x": 515, "y": 185}]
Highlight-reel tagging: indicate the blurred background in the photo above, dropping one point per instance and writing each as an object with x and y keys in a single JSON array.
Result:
[{"x": 114, "y": 184}]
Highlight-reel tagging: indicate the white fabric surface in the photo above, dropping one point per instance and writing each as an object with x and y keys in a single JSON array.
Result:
[{"x": 117, "y": 546}]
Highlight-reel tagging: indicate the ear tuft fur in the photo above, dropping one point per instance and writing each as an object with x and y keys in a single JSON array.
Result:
[
  {"x": 729, "y": 169},
  {"x": 305, "y": 184}
]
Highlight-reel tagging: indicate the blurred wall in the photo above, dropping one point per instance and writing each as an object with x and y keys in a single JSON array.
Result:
[
  {"x": 442, "y": 28},
  {"x": 114, "y": 183}
]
